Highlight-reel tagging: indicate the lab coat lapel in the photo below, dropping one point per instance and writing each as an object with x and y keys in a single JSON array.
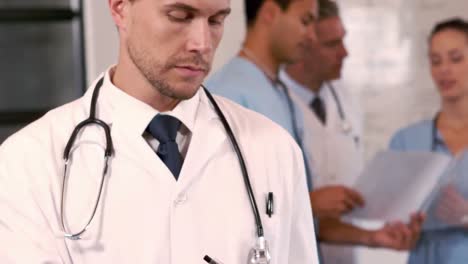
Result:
[
  {"x": 344, "y": 156},
  {"x": 207, "y": 138},
  {"x": 314, "y": 140},
  {"x": 135, "y": 150},
  {"x": 317, "y": 146},
  {"x": 132, "y": 151}
]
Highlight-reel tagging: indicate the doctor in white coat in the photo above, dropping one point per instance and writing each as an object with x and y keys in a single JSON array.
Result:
[
  {"x": 334, "y": 137},
  {"x": 173, "y": 190},
  {"x": 336, "y": 119}
]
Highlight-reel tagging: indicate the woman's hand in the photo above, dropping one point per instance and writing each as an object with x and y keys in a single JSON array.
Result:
[{"x": 452, "y": 207}]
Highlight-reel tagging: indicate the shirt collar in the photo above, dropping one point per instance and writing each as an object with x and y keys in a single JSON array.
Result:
[
  {"x": 303, "y": 92},
  {"x": 135, "y": 115}
]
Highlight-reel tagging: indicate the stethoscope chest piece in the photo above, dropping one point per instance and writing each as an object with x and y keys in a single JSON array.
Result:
[
  {"x": 260, "y": 253},
  {"x": 346, "y": 127}
]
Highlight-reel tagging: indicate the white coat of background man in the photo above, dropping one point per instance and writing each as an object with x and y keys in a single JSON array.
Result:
[
  {"x": 334, "y": 142},
  {"x": 173, "y": 191}
]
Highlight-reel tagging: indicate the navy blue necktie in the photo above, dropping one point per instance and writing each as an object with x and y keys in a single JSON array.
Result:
[
  {"x": 164, "y": 129},
  {"x": 318, "y": 107}
]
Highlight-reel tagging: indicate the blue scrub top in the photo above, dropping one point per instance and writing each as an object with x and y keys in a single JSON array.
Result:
[
  {"x": 448, "y": 246},
  {"x": 243, "y": 82}
]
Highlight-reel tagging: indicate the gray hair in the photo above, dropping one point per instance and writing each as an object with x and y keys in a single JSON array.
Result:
[{"x": 327, "y": 9}]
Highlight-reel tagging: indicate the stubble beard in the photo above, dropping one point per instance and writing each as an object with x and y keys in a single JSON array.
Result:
[{"x": 152, "y": 70}]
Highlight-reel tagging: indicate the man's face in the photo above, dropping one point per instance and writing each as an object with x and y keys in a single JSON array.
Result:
[
  {"x": 293, "y": 29},
  {"x": 172, "y": 42},
  {"x": 328, "y": 52}
]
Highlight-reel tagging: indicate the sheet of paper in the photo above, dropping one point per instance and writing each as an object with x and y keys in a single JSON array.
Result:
[
  {"x": 395, "y": 184},
  {"x": 448, "y": 206}
]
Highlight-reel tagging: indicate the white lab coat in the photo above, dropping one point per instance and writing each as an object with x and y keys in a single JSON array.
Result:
[
  {"x": 145, "y": 216},
  {"x": 336, "y": 157}
]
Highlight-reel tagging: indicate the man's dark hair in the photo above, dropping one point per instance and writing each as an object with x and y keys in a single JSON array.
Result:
[
  {"x": 327, "y": 9},
  {"x": 457, "y": 24},
  {"x": 253, "y": 6}
]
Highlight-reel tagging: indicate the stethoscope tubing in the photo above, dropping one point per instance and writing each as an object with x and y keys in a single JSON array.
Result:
[{"x": 337, "y": 100}]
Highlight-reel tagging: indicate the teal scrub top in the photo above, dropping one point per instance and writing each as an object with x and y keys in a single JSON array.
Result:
[{"x": 447, "y": 246}]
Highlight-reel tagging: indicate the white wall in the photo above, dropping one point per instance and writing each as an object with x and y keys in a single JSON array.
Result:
[
  {"x": 387, "y": 67},
  {"x": 233, "y": 35},
  {"x": 101, "y": 38}
]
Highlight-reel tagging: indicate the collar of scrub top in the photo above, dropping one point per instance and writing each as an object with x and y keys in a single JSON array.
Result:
[
  {"x": 278, "y": 85},
  {"x": 283, "y": 88},
  {"x": 436, "y": 137},
  {"x": 250, "y": 66},
  {"x": 305, "y": 94},
  {"x": 135, "y": 115}
]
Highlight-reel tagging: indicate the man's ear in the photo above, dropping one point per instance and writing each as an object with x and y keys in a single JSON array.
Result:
[
  {"x": 269, "y": 12},
  {"x": 118, "y": 9}
]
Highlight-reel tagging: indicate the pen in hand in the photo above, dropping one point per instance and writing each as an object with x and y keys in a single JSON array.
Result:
[{"x": 210, "y": 260}]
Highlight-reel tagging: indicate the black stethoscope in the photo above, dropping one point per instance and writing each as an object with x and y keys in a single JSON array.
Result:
[
  {"x": 259, "y": 254},
  {"x": 345, "y": 125}
]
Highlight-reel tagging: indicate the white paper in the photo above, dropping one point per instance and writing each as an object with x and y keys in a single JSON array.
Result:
[
  {"x": 395, "y": 184},
  {"x": 456, "y": 178}
]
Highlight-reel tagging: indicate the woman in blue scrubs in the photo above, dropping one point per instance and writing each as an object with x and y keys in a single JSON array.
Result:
[{"x": 446, "y": 133}]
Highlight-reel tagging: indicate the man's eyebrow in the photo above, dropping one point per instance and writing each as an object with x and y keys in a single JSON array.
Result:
[
  {"x": 182, "y": 6},
  {"x": 188, "y": 8},
  {"x": 223, "y": 12},
  {"x": 454, "y": 51}
]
